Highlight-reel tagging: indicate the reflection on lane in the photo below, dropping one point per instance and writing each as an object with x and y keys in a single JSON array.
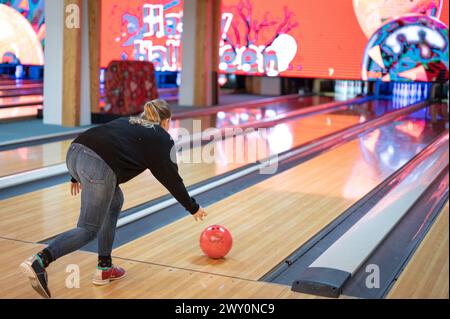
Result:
[
  {"x": 281, "y": 137},
  {"x": 388, "y": 148},
  {"x": 25, "y": 99},
  {"x": 237, "y": 116},
  {"x": 261, "y": 143}
]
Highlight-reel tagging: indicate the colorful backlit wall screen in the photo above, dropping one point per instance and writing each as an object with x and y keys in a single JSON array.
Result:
[
  {"x": 22, "y": 31},
  {"x": 295, "y": 38}
]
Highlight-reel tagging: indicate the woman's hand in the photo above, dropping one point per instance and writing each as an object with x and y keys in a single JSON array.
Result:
[
  {"x": 200, "y": 214},
  {"x": 75, "y": 188}
]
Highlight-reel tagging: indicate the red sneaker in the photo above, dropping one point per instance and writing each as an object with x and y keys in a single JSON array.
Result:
[{"x": 104, "y": 276}]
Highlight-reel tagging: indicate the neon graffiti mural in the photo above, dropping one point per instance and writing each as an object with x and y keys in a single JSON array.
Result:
[
  {"x": 297, "y": 38},
  {"x": 23, "y": 32},
  {"x": 263, "y": 46},
  {"x": 413, "y": 47}
]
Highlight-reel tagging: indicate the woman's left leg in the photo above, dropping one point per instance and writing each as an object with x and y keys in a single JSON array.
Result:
[
  {"x": 106, "y": 271},
  {"x": 108, "y": 230}
]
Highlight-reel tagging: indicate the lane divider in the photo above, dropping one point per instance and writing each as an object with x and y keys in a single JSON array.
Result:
[
  {"x": 33, "y": 175},
  {"x": 327, "y": 275}
]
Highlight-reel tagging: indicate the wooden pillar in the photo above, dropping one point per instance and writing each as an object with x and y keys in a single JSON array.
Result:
[
  {"x": 71, "y": 66},
  {"x": 68, "y": 87},
  {"x": 94, "y": 16},
  {"x": 201, "y": 32},
  {"x": 53, "y": 66}
]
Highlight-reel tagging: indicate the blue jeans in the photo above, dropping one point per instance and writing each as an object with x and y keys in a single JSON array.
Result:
[{"x": 101, "y": 202}]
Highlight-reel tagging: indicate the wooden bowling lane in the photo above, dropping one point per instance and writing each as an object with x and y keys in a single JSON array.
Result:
[
  {"x": 273, "y": 218},
  {"x": 142, "y": 281},
  {"x": 19, "y": 113},
  {"x": 24, "y": 86},
  {"x": 33, "y": 157},
  {"x": 430, "y": 260},
  {"x": 28, "y": 158},
  {"x": 21, "y": 100},
  {"x": 50, "y": 211},
  {"x": 20, "y": 92}
]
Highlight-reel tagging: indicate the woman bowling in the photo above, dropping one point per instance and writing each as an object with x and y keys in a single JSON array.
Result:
[{"x": 99, "y": 160}]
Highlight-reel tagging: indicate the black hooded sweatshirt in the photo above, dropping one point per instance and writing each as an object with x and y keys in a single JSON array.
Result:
[{"x": 129, "y": 149}]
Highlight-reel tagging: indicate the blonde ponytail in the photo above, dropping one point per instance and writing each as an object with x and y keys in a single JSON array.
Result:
[
  {"x": 151, "y": 113},
  {"x": 155, "y": 112}
]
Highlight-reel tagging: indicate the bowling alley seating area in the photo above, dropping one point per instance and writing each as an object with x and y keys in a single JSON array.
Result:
[{"x": 315, "y": 134}]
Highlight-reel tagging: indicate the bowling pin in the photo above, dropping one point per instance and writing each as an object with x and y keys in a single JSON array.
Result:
[
  {"x": 338, "y": 89},
  {"x": 425, "y": 91},
  {"x": 394, "y": 96},
  {"x": 413, "y": 92},
  {"x": 416, "y": 93},
  {"x": 410, "y": 92},
  {"x": 366, "y": 88},
  {"x": 351, "y": 89},
  {"x": 19, "y": 71},
  {"x": 404, "y": 94},
  {"x": 344, "y": 88}
]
